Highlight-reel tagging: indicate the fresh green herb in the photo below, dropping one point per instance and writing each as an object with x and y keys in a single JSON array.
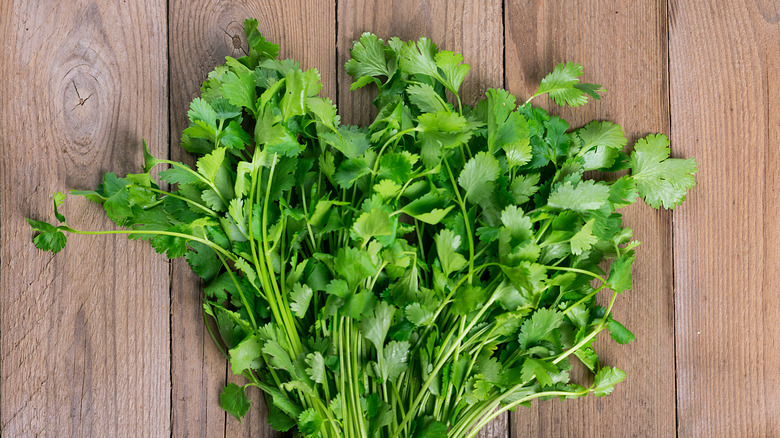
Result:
[{"x": 416, "y": 277}]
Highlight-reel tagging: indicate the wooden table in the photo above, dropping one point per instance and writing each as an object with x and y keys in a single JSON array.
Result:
[{"x": 107, "y": 339}]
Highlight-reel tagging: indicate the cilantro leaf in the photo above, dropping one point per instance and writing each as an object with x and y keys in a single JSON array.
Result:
[
  {"x": 539, "y": 327},
  {"x": 447, "y": 244},
  {"x": 246, "y": 355},
  {"x": 368, "y": 61},
  {"x": 605, "y": 381},
  {"x": 301, "y": 297},
  {"x": 561, "y": 85},
  {"x": 583, "y": 239},
  {"x": 587, "y": 195},
  {"x": 478, "y": 177},
  {"x": 619, "y": 333},
  {"x": 620, "y": 272},
  {"x": 661, "y": 180},
  {"x": 234, "y": 400},
  {"x": 49, "y": 237}
]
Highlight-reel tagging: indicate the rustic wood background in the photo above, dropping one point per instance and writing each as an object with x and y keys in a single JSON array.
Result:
[{"x": 106, "y": 339}]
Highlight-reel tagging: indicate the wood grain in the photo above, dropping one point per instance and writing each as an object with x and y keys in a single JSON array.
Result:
[
  {"x": 621, "y": 45},
  {"x": 725, "y": 71},
  {"x": 202, "y": 33},
  {"x": 107, "y": 338},
  {"x": 85, "y": 333},
  {"x": 474, "y": 29}
]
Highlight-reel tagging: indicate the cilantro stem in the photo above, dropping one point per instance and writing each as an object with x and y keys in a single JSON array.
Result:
[
  {"x": 465, "y": 219},
  {"x": 197, "y": 175},
  {"x": 475, "y": 430},
  {"x": 439, "y": 365},
  {"x": 579, "y": 271},
  {"x": 585, "y": 298},
  {"x": 190, "y": 201},
  {"x": 249, "y": 310},
  {"x": 208, "y": 243},
  {"x": 396, "y": 136},
  {"x": 596, "y": 331}
]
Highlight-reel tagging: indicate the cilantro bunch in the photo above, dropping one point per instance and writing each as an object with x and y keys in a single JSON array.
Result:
[{"x": 416, "y": 277}]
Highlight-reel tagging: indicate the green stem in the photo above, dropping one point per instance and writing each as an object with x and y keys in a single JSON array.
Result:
[
  {"x": 465, "y": 220},
  {"x": 173, "y": 195},
  {"x": 197, "y": 175},
  {"x": 211, "y": 245}
]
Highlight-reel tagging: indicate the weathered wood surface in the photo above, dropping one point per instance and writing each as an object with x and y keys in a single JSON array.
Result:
[
  {"x": 108, "y": 339},
  {"x": 725, "y": 105},
  {"x": 85, "y": 336},
  {"x": 622, "y": 46}
]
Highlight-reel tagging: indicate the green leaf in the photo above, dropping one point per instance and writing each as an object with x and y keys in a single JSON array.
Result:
[
  {"x": 583, "y": 239},
  {"x": 478, "y": 177},
  {"x": 309, "y": 423},
  {"x": 375, "y": 326},
  {"x": 178, "y": 175},
  {"x": 605, "y": 381},
  {"x": 506, "y": 129},
  {"x": 200, "y": 110},
  {"x": 259, "y": 48},
  {"x": 539, "y": 327},
  {"x": 419, "y": 315},
  {"x": 316, "y": 369},
  {"x": 447, "y": 244},
  {"x": 387, "y": 188},
  {"x": 661, "y": 180},
  {"x": 59, "y": 198},
  {"x": 432, "y": 429},
  {"x": 620, "y": 278},
  {"x": 561, "y": 84},
  {"x": 234, "y": 136},
  {"x": 371, "y": 224},
  {"x": 203, "y": 261},
  {"x": 270, "y": 132},
  {"x": 300, "y": 299},
  {"x": 454, "y": 71},
  {"x": 396, "y": 354},
  {"x": 418, "y": 58},
  {"x": 523, "y": 187},
  {"x": 368, "y": 61},
  {"x": 49, "y": 237},
  {"x": 246, "y": 355},
  {"x": 234, "y": 400},
  {"x": 239, "y": 88},
  {"x": 587, "y": 195},
  {"x": 439, "y": 132},
  {"x": 619, "y": 333},
  {"x": 426, "y": 98},
  {"x": 350, "y": 140},
  {"x": 623, "y": 192},
  {"x": 541, "y": 369},
  {"x": 588, "y": 357},
  {"x": 149, "y": 160},
  {"x": 294, "y": 99},
  {"x": 354, "y": 266},
  {"x": 350, "y": 171},
  {"x": 606, "y": 134},
  {"x": 208, "y": 165}
]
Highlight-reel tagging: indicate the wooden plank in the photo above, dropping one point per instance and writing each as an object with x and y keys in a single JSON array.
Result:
[
  {"x": 202, "y": 34},
  {"x": 84, "y": 333},
  {"x": 621, "y": 45},
  {"x": 724, "y": 72},
  {"x": 473, "y": 28}
]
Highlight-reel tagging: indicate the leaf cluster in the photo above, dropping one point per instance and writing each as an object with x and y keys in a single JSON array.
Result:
[{"x": 415, "y": 277}]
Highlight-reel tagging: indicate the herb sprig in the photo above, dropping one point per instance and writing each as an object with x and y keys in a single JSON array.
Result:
[{"x": 416, "y": 277}]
